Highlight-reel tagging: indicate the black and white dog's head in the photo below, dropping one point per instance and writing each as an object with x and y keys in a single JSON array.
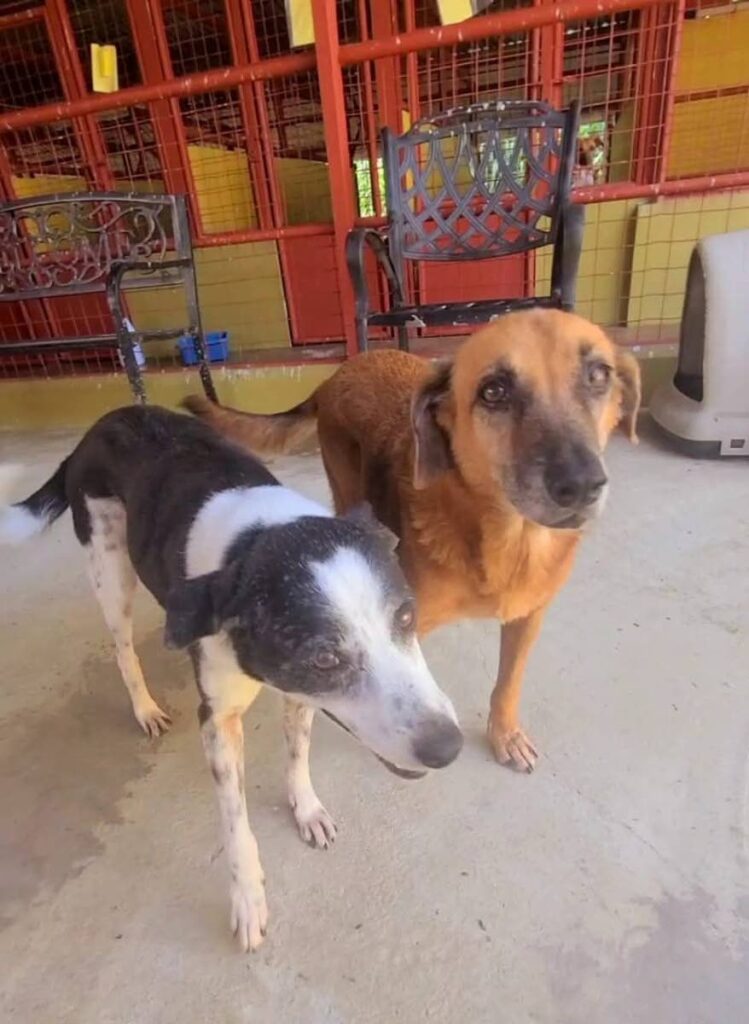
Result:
[{"x": 319, "y": 609}]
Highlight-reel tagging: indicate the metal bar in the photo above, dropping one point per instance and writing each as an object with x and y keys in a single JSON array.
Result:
[
  {"x": 412, "y": 65},
  {"x": 501, "y": 23},
  {"x": 17, "y": 18},
  {"x": 369, "y": 114},
  {"x": 384, "y": 24},
  {"x": 263, "y": 234},
  {"x": 668, "y": 113},
  {"x": 261, "y": 104},
  {"x": 188, "y": 85},
  {"x": 166, "y": 116},
  {"x": 335, "y": 123},
  {"x": 86, "y": 129},
  {"x": 674, "y": 187},
  {"x": 257, "y": 162},
  {"x": 521, "y": 19},
  {"x": 630, "y": 190}
]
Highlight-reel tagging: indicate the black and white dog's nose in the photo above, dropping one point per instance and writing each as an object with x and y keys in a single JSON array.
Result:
[{"x": 439, "y": 742}]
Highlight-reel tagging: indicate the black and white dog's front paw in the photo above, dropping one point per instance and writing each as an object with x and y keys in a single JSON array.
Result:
[{"x": 316, "y": 827}]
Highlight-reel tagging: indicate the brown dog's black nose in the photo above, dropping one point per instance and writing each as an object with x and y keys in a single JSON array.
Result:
[
  {"x": 576, "y": 479},
  {"x": 438, "y": 743}
]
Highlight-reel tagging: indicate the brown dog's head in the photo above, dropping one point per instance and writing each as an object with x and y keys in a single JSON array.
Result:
[{"x": 524, "y": 413}]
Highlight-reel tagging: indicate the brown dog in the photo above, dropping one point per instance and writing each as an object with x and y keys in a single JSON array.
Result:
[{"x": 486, "y": 468}]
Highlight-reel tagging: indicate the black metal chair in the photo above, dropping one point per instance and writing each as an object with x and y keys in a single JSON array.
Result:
[
  {"x": 108, "y": 242},
  {"x": 472, "y": 184}
]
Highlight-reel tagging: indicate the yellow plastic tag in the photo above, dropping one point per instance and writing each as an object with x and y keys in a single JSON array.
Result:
[
  {"x": 455, "y": 10},
  {"x": 104, "y": 68},
  {"x": 301, "y": 27}
]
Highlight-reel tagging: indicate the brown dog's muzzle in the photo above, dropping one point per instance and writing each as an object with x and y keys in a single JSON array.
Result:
[{"x": 574, "y": 476}]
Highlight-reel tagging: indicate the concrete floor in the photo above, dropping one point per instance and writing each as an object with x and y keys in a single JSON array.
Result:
[{"x": 611, "y": 887}]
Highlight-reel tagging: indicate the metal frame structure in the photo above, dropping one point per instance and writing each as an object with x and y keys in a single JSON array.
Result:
[
  {"x": 100, "y": 243},
  {"x": 472, "y": 184},
  {"x": 364, "y": 72}
]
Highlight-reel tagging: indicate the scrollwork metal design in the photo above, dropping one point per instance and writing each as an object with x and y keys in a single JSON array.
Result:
[{"x": 71, "y": 242}]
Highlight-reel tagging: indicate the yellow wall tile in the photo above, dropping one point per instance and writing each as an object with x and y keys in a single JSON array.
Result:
[{"x": 239, "y": 288}]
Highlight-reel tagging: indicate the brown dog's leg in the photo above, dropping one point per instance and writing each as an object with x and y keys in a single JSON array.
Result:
[{"x": 510, "y": 744}]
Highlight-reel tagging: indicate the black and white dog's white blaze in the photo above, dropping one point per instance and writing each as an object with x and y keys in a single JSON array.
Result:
[{"x": 263, "y": 586}]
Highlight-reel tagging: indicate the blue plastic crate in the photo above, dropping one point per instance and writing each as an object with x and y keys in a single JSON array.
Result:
[{"x": 216, "y": 347}]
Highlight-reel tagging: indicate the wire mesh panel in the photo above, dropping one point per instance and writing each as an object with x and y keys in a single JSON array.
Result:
[
  {"x": 664, "y": 97},
  {"x": 197, "y": 35},
  {"x": 28, "y": 74},
  {"x": 42, "y": 158},
  {"x": 105, "y": 21},
  {"x": 134, "y": 158},
  {"x": 297, "y": 140}
]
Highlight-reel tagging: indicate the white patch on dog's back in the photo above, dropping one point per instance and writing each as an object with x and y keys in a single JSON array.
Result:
[{"x": 228, "y": 513}]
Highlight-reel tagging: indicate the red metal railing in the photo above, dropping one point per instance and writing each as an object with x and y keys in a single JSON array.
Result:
[{"x": 283, "y": 120}]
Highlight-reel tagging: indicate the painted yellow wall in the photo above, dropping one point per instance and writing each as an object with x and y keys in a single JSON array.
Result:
[
  {"x": 79, "y": 401},
  {"x": 223, "y": 188},
  {"x": 665, "y": 234},
  {"x": 604, "y": 262},
  {"x": 305, "y": 187},
  {"x": 240, "y": 290},
  {"x": 709, "y": 135},
  {"x": 45, "y": 184}
]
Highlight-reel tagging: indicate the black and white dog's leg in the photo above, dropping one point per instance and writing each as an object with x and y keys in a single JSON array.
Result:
[
  {"x": 114, "y": 581},
  {"x": 315, "y": 824},
  {"x": 223, "y": 743}
]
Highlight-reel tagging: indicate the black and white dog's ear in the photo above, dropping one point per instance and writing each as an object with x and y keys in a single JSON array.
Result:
[
  {"x": 364, "y": 513},
  {"x": 191, "y": 611}
]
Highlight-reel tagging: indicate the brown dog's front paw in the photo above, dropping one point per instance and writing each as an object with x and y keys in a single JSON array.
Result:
[{"x": 513, "y": 748}]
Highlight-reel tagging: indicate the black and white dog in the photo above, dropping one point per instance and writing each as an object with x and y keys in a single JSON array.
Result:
[{"x": 263, "y": 586}]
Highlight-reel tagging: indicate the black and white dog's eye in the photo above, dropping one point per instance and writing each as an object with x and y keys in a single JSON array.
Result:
[
  {"x": 405, "y": 617},
  {"x": 599, "y": 375},
  {"x": 495, "y": 393},
  {"x": 326, "y": 660}
]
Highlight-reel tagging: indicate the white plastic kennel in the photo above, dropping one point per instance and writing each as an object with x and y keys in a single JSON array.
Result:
[{"x": 704, "y": 410}]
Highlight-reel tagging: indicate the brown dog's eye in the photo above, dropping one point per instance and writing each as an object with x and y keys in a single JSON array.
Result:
[
  {"x": 599, "y": 375},
  {"x": 495, "y": 393},
  {"x": 326, "y": 660},
  {"x": 405, "y": 617}
]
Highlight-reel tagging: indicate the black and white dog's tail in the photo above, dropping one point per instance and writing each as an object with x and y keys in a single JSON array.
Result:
[{"x": 27, "y": 518}]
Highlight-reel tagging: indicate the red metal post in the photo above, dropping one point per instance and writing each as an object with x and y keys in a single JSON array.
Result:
[
  {"x": 88, "y": 136},
  {"x": 340, "y": 170},
  {"x": 369, "y": 115},
  {"x": 670, "y": 86},
  {"x": 387, "y": 76},
  {"x": 256, "y": 142},
  {"x": 551, "y": 60},
  {"x": 412, "y": 66},
  {"x": 188, "y": 85},
  {"x": 656, "y": 62},
  {"x": 672, "y": 187},
  {"x": 150, "y": 41},
  {"x": 18, "y": 18}
]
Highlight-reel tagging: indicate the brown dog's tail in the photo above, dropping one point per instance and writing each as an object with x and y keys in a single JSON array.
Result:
[{"x": 282, "y": 433}]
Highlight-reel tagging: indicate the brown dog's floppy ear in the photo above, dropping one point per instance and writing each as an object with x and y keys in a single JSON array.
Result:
[
  {"x": 630, "y": 390},
  {"x": 432, "y": 452}
]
